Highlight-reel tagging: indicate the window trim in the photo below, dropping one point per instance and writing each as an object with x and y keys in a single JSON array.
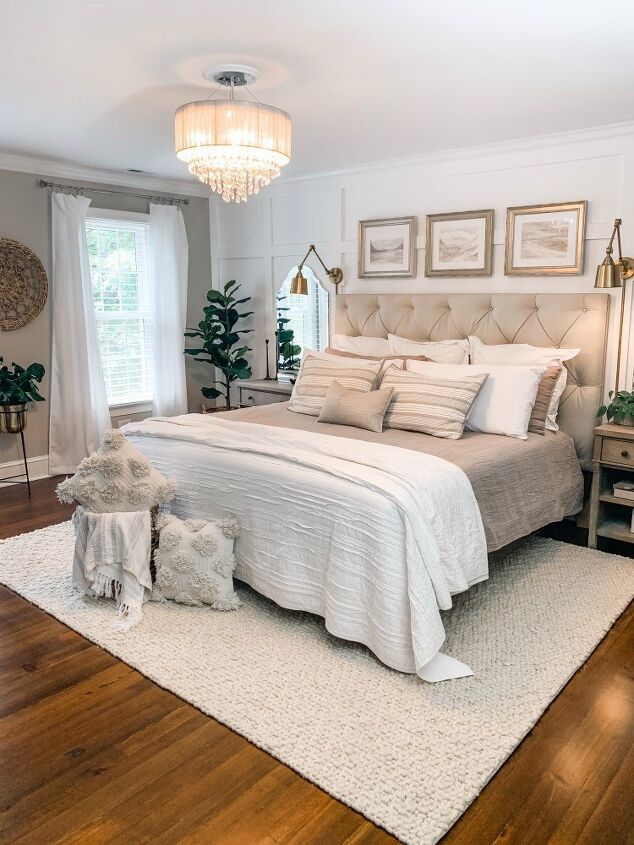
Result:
[{"x": 143, "y": 406}]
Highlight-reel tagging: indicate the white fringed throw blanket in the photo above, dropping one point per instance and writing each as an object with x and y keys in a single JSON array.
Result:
[{"x": 112, "y": 559}]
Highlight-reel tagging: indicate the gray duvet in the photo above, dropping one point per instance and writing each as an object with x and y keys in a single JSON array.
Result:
[{"x": 520, "y": 485}]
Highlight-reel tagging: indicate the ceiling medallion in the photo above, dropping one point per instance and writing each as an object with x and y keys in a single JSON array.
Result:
[{"x": 234, "y": 146}]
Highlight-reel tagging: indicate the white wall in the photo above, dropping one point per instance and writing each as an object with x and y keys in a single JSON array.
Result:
[{"x": 259, "y": 242}]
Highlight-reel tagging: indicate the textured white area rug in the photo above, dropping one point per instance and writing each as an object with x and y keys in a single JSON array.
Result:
[{"x": 408, "y": 755}]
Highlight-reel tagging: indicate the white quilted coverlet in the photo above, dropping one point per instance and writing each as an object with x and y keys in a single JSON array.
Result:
[{"x": 374, "y": 538}]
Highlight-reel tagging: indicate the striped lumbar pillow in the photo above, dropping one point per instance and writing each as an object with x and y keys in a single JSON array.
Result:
[
  {"x": 317, "y": 373},
  {"x": 430, "y": 405}
]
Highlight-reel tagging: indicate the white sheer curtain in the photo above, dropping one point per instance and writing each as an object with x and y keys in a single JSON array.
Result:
[
  {"x": 79, "y": 407},
  {"x": 169, "y": 262}
]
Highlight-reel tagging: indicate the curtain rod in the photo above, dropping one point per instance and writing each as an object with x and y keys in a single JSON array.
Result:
[{"x": 55, "y": 186}]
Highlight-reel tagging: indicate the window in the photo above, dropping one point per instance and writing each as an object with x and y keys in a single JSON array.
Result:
[
  {"x": 308, "y": 315},
  {"x": 121, "y": 286}
]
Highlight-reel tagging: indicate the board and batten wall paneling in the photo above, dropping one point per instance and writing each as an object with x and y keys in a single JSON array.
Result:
[{"x": 266, "y": 237}]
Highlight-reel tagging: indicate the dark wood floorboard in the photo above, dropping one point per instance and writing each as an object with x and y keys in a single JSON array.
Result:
[{"x": 93, "y": 752}]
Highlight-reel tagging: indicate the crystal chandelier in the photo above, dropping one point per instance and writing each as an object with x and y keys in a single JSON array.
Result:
[{"x": 234, "y": 146}]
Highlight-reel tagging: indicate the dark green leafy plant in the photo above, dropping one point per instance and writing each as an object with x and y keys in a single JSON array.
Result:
[
  {"x": 287, "y": 350},
  {"x": 620, "y": 407},
  {"x": 17, "y": 386},
  {"x": 219, "y": 336}
]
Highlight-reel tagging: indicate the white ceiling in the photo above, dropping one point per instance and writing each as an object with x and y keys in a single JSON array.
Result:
[{"x": 95, "y": 82}]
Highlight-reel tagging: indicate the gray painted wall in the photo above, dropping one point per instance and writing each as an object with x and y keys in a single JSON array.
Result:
[{"x": 25, "y": 215}]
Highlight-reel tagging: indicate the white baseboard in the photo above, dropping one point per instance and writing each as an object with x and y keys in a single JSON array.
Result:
[{"x": 38, "y": 468}]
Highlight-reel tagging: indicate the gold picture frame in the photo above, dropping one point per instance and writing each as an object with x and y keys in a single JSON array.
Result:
[
  {"x": 459, "y": 243},
  {"x": 387, "y": 248},
  {"x": 546, "y": 240}
]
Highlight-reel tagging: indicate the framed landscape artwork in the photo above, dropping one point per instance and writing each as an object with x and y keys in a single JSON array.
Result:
[
  {"x": 387, "y": 248},
  {"x": 459, "y": 244},
  {"x": 545, "y": 240}
]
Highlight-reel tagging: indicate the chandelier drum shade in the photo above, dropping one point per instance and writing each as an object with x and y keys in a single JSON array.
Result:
[{"x": 234, "y": 146}]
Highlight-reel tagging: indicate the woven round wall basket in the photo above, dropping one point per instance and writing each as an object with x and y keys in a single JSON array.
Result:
[{"x": 23, "y": 285}]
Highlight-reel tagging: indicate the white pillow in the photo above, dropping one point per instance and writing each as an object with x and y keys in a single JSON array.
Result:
[
  {"x": 361, "y": 345},
  {"x": 440, "y": 351},
  {"x": 504, "y": 404},
  {"x": 525, "y": 354}
]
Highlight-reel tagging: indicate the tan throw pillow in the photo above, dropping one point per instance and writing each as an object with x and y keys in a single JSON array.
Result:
[
  {"x": 345, "y": 407},
  {"x": 436, "y": 406},
  {"x": 547, "y": 385},
  {"x": 317, "y": 373}
]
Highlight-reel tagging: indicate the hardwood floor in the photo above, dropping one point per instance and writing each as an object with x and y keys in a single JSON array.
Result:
[{"x": 92, "y": 752}]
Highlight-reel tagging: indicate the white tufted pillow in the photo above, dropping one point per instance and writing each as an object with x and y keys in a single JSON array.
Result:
[
  {"x": 116, "y": 478},
  {"x": 195, "y": 562}
]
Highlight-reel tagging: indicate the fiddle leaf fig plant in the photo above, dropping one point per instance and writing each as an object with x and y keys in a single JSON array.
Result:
[
  {"x": 620, "y": 407},
  {"x": 17, "y": 385},
  {"x": 220, "y": 339},
  {"x": 288, "y": 351}
]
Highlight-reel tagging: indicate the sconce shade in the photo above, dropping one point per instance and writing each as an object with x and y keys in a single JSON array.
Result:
[
  {"x": 300, "y": 284},
  {"x": 609, "y": 274}
]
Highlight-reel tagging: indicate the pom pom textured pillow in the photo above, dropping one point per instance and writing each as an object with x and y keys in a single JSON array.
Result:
[
  {"x": 116, "y": 478},
  {"x": 195, "y": 562}
]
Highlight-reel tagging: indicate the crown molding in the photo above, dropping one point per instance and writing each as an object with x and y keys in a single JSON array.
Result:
[
  {"x": 82, "y": 173},
  {"x": 526, "y": 144}
]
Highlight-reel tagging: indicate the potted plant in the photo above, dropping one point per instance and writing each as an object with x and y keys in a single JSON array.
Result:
[
  {"x": 288, "y": 351},
  {"x": 220, "y": 338},
  {"x": 621, "y": 408},
  {"x": 17, "y": 387}
]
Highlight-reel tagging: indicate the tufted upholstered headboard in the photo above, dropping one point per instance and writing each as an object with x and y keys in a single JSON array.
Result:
[{"x": 541, "y": 319}]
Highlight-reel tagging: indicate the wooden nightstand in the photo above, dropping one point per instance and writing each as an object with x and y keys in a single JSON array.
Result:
[
  {"x": 612, "y": 460},
  {"x": 262, "y": 392}
]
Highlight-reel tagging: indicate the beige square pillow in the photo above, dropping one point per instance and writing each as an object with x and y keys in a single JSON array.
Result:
[
  {"x": 345, "y": 407},
  {"x": 317, "y": 373},
  {"x": 436, "y": 406},
  {"x": 547, "y": 386}
]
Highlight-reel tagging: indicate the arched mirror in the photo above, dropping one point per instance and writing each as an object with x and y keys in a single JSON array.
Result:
[{"x": 307, "y": 319}]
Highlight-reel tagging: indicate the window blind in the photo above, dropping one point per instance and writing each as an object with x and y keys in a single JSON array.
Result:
[
  {"x": 121, "y": 285},
  {"x": 308, "y": 315}
]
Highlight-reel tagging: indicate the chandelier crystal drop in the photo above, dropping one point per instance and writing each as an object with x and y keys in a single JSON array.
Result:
[{"x": 234, "y": 146}]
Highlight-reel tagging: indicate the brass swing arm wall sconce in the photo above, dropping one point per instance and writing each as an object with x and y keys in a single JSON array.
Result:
[
  {"x": 300, "y": 283},
  {"x": 611, "y": 274}
]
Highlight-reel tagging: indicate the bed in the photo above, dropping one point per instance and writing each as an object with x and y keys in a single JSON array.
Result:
[{"x": 352, "y": 543}]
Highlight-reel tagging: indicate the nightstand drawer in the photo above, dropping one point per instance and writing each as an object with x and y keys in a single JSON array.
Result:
[
  {"x": 618, "y": 452},
  {"x": 260, "y": 397}
]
